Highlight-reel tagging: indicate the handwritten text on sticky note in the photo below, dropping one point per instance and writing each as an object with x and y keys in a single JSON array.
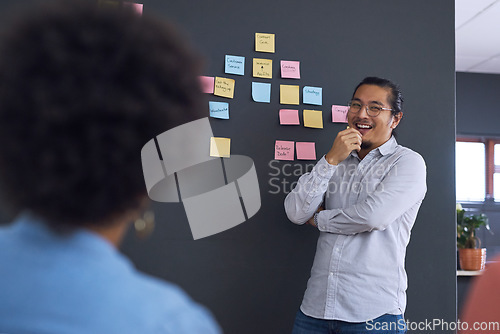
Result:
[
  {"x": 219, "y": 109},
  {"x": 262, "y": 68},
  {"x": 224, "y": 87},
  {"x": 290, "y": 69},
  {"x": 312, "y": 95},
  {"x": 264, "y": 42},
  {"x": 289, "y": 117},
  {"x": 339, "y": 114},
  {"x": 289, "y": 94},
  {"x": 306, "y": 150},
  {"x": 283, "y": 150},
  {"x": 313, "y": 119},
  {"x": 235, "y": 65}
]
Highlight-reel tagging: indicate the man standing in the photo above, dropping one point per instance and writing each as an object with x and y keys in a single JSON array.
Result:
[{"x": 363, "y": 196}]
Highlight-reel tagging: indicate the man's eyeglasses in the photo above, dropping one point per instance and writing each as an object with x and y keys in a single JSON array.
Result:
[{"x": 372, "y": 109}]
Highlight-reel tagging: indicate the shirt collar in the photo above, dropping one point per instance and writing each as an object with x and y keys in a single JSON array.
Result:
[
  {"x": 29, "y": 224},
  {"x": 386, "y": 148}
]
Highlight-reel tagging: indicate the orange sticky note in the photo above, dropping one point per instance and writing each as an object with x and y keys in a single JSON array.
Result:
[
  {"x": 263, "y": 68},
  {"x": 313, "y": 119},
  {"x": 224, "y": 87},
  {"x": 264, "y": 42},
  {"x": 220, "y": 147},
  {"x": 289, "y": 94}
]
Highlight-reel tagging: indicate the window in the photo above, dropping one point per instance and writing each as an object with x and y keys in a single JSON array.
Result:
[
  {"x": 477, "y": 169},
  {"x": 470, "y": 171}
]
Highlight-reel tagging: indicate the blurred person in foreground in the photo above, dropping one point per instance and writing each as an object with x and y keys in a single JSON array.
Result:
[
  {"x": 481, "y": 314},
  {"x": 82, "y": 89}
]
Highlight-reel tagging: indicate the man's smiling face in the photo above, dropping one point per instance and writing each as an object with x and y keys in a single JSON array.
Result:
[{"x": 374, "y": 130}]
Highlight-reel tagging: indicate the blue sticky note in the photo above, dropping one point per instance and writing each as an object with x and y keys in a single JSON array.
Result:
[
  {"x": 235, "y": 65},
  {"x": 313, "y": 95},
  {"x": 219, "y": 109},
  {"x": 261, "y": 92}
]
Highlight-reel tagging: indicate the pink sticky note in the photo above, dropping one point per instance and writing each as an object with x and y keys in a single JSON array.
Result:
[
  {"x": 135, "y": 6},
  {"x": 207, "y": 84},
  {"x": 306, "y": 150},
  {"x": 289, "y": 117},
  {"x": 290, "y": 69},
  {"x": 339, "y": 114},
  {"x": 283, "y": 150}
]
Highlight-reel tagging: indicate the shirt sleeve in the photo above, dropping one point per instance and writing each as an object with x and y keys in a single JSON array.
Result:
[
  {"x": 402, "y": 188},
  {"x": 303, "y": 201}
]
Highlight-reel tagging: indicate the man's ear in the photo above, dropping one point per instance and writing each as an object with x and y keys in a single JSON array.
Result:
[{"x": 396, "y": 119}]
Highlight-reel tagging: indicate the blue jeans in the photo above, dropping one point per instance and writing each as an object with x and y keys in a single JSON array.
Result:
[{"x": 385, "y": 324}]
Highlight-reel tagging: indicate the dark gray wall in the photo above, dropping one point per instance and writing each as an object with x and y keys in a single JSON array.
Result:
[
  {"x": 253, "y": 276},
  {"x": 478, "y": 110}
]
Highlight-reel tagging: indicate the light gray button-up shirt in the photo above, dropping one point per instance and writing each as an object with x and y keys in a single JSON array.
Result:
[{"x": 370, "y": 205}]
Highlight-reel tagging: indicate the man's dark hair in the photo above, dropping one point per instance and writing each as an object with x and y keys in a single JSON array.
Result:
[
  {"x": 395, "y": 97},
  {"x": 82, "y": 89}
]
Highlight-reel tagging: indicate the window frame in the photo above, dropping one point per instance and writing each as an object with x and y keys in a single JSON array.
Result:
[{"x": 491, "y": 168}]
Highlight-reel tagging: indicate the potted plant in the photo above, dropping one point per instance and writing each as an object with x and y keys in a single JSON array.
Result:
[{"x": 471, "y": 255}]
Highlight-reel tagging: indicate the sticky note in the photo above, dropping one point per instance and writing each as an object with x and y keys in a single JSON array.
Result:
[
  {"x": 306, "y": 150},
  {"x": 219, "y": 109},
  {"x": 263, "y": 68},
  {"x": 207, "y": 84},
  {"x": 312, "y": 95},
  {"x": 264, "y": 42},
  {"x": 290, "y": 69},
  {"x": 220, "y": 147},
  {"x": 224, "y": 87},
  {"x": 137, "y": 7},
  {"x": 289, "y": 117},
  {"x": 313, "y": 119},
  {"x": 289, "y": 94},
  {"x": 235, "y": 65},
  {"x": 261, "y": 92},
  {"x": 339, "y": 114},
  {"x": 283, "y": 150}
]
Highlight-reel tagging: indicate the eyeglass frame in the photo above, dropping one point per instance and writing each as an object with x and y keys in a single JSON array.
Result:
[{"x": 368, "y": 111}]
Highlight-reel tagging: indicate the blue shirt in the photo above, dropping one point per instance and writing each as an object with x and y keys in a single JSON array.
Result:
[
  {"x": 370, "y": 206},
  {"x": 81, "y": 284}
]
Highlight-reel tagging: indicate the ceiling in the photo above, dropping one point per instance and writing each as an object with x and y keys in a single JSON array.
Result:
[{"x": 477, "y": 35}]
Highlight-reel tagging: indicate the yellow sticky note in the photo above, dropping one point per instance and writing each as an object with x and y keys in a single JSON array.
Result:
[
  {"x": 289, "y": 94},
  {"x": 263, "y": 68},
  {"x": 313, "y": 119},
  {"x": 224, "y": 87},
  {"x": 264, "y": 42},
  {"x": 220, "y": 147}
]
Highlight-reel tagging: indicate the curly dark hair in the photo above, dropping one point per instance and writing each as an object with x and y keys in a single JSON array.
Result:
[{"x": 82, "y": 89}]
